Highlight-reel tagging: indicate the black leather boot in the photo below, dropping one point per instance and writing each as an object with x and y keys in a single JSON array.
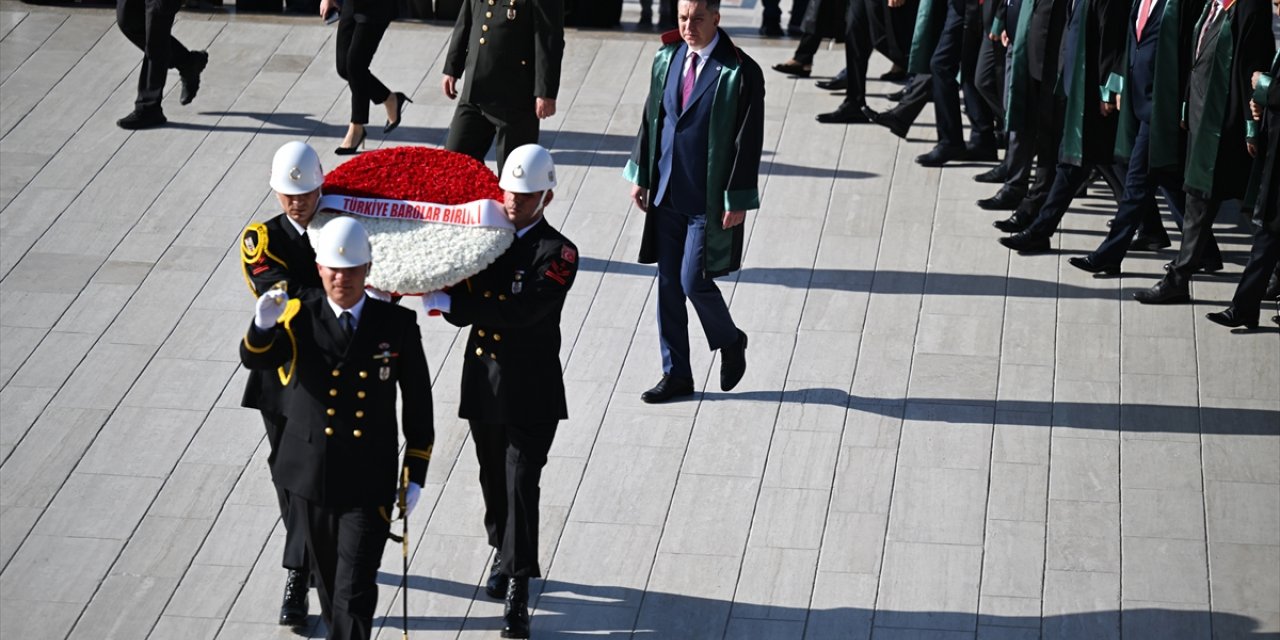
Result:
[
  {"x": 293, "y": 609},
  {"x": 496, "y": 585},
  {"x": 515, "y": 617}
]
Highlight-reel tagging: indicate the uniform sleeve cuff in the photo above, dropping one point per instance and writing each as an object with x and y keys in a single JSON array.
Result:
[
  {"x": 1260, "y": 91},
  {"x": 1113, "y": 87},
  {"x": 741, "y": 200},
  {"x": 632, "y": 174}
]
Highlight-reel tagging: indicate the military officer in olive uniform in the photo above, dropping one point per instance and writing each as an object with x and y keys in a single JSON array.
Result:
[
  {"x": 512, "y": 387},
  {"x": 274, "y": 252},
  {"x": 507, "y": 53},
  {"x": 341, "y": 356}
]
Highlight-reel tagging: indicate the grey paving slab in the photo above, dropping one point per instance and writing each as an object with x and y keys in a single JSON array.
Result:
[{"x": 935, "y": 438}]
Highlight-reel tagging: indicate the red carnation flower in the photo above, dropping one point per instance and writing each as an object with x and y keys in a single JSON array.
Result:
[{"x": 419, "y": 174}]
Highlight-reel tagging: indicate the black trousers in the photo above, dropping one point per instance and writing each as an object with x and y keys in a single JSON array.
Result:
[
  {"x": 1046, "y": 123},
  {"x": 147, "y": 24},
  {"x": 892, "y": 29},
  {"x": 345, "y": 547},
  {"x": 511, "y": 459},
  {"x": 989, "y": 76},
  {"x": 1138, "y": 206},
  {"x": 357, "y": 42},
  {"x": 953, "y": 64},
  {"x": 807, "y": 48},
  {"x": 1197, "y": 237},
  {"x": 857, "y": 52},
  {"x": 1020, "y": 155},
  {"x": 473, "y": 131},
  {"x": 295, "y": 543},
  {"x": 1264, "y": 258},
  {"x": 919, "y": 92}
]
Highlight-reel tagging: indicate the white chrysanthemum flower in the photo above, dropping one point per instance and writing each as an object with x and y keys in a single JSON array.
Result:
[{"x": 411, "y": 256}]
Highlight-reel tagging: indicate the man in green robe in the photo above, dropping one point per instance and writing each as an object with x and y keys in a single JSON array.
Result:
[
  {"x": 694, "y": 170},
  {"x": 1233, "y": 39}
]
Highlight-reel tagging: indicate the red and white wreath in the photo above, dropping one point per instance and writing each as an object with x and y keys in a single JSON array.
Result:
[{"x": 434, "y": 217}]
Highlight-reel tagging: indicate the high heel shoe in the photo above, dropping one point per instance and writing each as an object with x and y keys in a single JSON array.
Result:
[
  {"x": 401, "y": 99},
  {"x": 355, "y": 148}
]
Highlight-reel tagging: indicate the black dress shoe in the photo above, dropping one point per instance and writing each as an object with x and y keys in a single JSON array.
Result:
[
  {"x": 844, "y": 115},
  {"x": 1006, "y": 199},
  {"x": 838, "y": 83},
  {"x": 515, "y": 616},
  {"x": 939, "y": 156},
  {"x": 401, "y": 100},
  {"x": 733, "y": 363},
  {"x": 190, "y": 76},
  {"x": 982, "y": 152},
  {"x": 1019, "y": 221},
  {"x": 148, "y": 119},
  {"x": 795, "y": 31},
  {"x": 1086, "y": 263},
  {"x": 894, "y": 75},
  {"x": 772, "y": 31},
  {"x": 1026, "y": 242},
  {"x": 897, "y": 96},
  {"x": 496, "y": 585},
  {"x": 293, "y": 609},
  {"x": 897, "y": 126},
  {"x": 1149, "y": 243},
  {"x": 1232, "y": 318},
  {"x": 667, "y": 388},
  {"x": 1163, "y": 292},
  {"x": 793, "y": 68},
  {"x": 994, "y": 175}
]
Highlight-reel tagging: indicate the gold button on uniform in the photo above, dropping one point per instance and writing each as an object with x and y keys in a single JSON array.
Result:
[
  {"x": 493, "y": 356},
  {"x": 360, "y": 394},
  {"x": 523, "y": 63},
  {"x": 484, "y": 27},
  {"x": 336, "y": 373},
  {"x": 328, "y": 431},
  {"x": 364, "y": 374},
  {"x": 497, "y": 337},
  {"x": 488, "y": 14},
  {"x": 502, "y": 296},
  {"x": 359, "y": 414},
  {"x": 333, "y": 392},
  {"x": 357, "y": 433},
  {"x": 481, "y": 40},
  {"x": 330, "y": 411},
  {"x": 479, "y": 351},
  {"x": 488, "y": 294},
  {"x": 480, "y": 332}
]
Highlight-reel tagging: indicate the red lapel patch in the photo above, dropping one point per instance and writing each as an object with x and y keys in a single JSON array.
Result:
[{"x": 568, "y": 254}]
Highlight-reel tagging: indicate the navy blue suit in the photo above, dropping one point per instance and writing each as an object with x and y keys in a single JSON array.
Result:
[
  {"x": 681, "y": 201},
  {"x": 1137, "y": 206}
]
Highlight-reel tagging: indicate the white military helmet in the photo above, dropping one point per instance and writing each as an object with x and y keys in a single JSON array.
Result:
[
  {"x": 296, "y": 169},
  {"x": 528, "y": 169},
  {"x": 343, "y": 243}
]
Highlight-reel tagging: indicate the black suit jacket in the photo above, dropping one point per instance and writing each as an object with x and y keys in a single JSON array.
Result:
[
  {"x": 271, "y": 252},
  {"x": 340, "y": 447},
  {"x": 506, "y": 62},
  {"x": 511, "y": 369}
]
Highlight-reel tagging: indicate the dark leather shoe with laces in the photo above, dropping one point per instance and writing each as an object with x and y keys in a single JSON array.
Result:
[
  {"x": 1232, "y": 318},
  {"x": 1086, "y": 263},
  {"x": 515, "y": 616},
  {"x": 1163, "y": 292},
  {"x": 496, "y": 585},
  {"x": 1149, "y": 243},
  {"x": 191, "y": 76},
  {"x": 940, "y": 155},
  {"x": 793, "y": 68},
  {"x": 1026, "y": 242},
  {"x": 897, "y": 126},
  {"x": 1006, "y": 199},
  {"x": 897, "y": 96},
  {"x": 293, "y": 609},
  {"x": 667, "y": 388},
  {"x": 733, "y": 363},
  {"x": 994, "y": 175},
  {"x": 838, "y": 83},
  {"x": 149, "y": 119},
  {"x": 1019, "y": 221},
  {"x": 846, "y": 114}
]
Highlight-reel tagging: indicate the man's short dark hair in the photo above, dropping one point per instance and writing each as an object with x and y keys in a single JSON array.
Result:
[{"x": 711, "y": 5}]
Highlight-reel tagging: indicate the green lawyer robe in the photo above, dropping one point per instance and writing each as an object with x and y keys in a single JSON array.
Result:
[{"x": 734, "y": 145}]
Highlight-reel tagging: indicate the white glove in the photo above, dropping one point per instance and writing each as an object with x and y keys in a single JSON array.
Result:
[
  {"x": 437, "y": 301},
  {"x": 411, "y": 497},
  {"x": 270, "y": 308}
]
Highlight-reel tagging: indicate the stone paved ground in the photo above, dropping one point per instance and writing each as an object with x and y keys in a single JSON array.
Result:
[{"x": 935, "y": 439}]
